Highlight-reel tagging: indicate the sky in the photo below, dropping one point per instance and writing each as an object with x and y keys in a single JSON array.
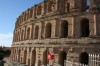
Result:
[{"x": 9, "y": 11}]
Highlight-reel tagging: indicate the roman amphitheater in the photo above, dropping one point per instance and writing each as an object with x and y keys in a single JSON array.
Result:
[{"x": 68, "y": 29}]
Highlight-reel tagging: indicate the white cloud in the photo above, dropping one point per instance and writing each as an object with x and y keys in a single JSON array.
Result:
[{"x": 6, "y": 39}]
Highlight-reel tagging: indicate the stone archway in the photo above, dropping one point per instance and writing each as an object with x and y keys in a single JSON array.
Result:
[
  {"x": 84, "y": 58},
  {"x": 64, "y": 29},
  {"x": 21, "y": 60},
  {"x": 62, "y": 58},
  {"x": 22, "y": 35},
  {"x": 39, "y": 9},
  {"x": 39, "y": 62},
  {"x": 15, "y": 55},
  {"x": 28, "y": 33},
  {"x": 85, "y": 28},
  {"x": 45, "y": 59},
  {"x": 28, "y": 62},
  {"x": 18, "y": 36},
  {"x": 33, "y": 58},
  {"x": 50, "y": 6},
  {"x": 36, "y": 32},
  {"x": 48, "y": 30},
  {"x": 19, "y": 55},
  {"x": 25, "y": 57}
]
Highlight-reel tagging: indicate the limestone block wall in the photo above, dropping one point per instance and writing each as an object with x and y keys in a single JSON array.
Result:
[{"x": 52, "y": 26}]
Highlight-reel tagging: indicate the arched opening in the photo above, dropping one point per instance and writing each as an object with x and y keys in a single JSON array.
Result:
[
  {"x": 45, "y": 60},
  {"x": 28, "y": 33},
  {"x": 15, "y": 57},
  {"x": 64, "y": 29},
  {"x": 22, "y": 35},
  {"x": 12, "y": 54},
  {"x": 62, "y": 58},
  {"x": 19, "y": 35},
  {"x": 31, "y": 13},
  {"x": 18, "y": 38},
  {"x": 36, "y": 32},
  {"x": 84, "y": 58},
  {"x": 28, "y": 62},
  {"x": 15, "y": 37},
  {"x": 48, "y": 30},
  {"x": 85, "y": 28},
  {"x": 24, "y": 16},
  {"x": 39, "y": 9},
  {"x": 33, "y": 58},
  {"x": 39, "y": 62},
  {"x": 19, "y": 55},
  {"x": 50, "y": 6},
  {"x": 21, "y": 60},
  {"x": 25, "y": 57},
  {"x": 67, "y": 7},
  {"x": 87, "y": 5}
]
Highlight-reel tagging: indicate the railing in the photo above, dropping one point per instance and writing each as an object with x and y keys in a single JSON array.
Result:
[
  {"x": 69, "y": 63},
  {"x": 94, "y": 60}
]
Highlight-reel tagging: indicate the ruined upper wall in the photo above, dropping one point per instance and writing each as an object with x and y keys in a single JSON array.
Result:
[{"x": 54, "y": 6}]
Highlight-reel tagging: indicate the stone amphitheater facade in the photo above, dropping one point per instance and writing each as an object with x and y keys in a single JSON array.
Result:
[{"x": 66, "y": 28}]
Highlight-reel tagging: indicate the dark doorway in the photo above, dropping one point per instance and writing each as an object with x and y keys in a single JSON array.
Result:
[
  {"x": 45, "y": 60},
  {"x": 36, "y": 32},
  {"x": 62, "y": 58},
  {"x": 48, "y": 30},
  {"x": 39, "y": 62},
  {"x": 64, "y": 29},
  {"x": 33, "y": 58},
  {"x": 84, "y": 58},
  {"x": 25, "y": 57},
  {"x": 28, "y": 33},
  {"x": 19, "y": 55},
  {"x": 85, "y": 28}
]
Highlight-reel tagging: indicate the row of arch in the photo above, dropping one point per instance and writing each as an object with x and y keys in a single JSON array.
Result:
[
  {"x": 62, "y": 56},
  {"x": 49, "y": 6},
  {"x": 18, "y": 56},
  {"x": 64, "y": 28},
  {"x": 35, "y": 11}
]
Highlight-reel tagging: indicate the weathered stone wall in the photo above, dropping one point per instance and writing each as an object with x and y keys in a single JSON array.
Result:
[{"x": 61, "y": 27}]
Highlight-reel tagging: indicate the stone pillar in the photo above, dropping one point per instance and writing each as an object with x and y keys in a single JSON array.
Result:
[
  {"x": 58, "y": 27},
  {"x": 40, "y": 30},
  {"x": 95, "y": 25},
  {"x": 32, "y": 31},
  {"x": 73, "y": 27},
  {"x": 25, "y": 34},
  {"x": 42, "y": 11},
  {"x": 53, "y": 29},
  {"x": 56, "y": 6},
  {"x": 20, "y": 34}
]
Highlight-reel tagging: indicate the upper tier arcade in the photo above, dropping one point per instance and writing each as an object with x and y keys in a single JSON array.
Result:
[
  {"x": 51, "y": 7},
  {"x": 58, "y": 19}
]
